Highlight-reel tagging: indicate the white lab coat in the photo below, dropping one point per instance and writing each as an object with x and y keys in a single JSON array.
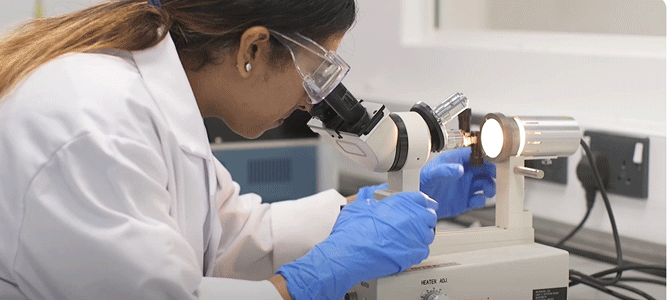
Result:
[{"x": 109, "y": 190}]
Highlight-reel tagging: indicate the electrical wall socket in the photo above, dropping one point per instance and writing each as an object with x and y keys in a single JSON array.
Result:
[
  {"x": 555, "y": 170},
  {"x": 628, "y": 158}
]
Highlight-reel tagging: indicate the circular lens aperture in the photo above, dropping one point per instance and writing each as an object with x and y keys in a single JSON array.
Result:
[{"x": 492, "y": 138}]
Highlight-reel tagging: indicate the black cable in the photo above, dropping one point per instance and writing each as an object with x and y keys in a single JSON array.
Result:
[
  {"x": 599, "y": 287},
  {"x": 595, "y": 280},
  {"x": 608, "y": 206},
  {"x": 586, "y": 175},
  {"x": 8, "y": 282},
  {"x": 579, "y": 277},
  {"x": 642, "y": 279},
  {"x": 634, "y": 290},
  {"x": 584, "y": 278},
  {"x": 631, "y": 267}
]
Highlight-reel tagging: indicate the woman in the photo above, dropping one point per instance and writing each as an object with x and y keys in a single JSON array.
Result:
[{"x": 109, "y": 189}]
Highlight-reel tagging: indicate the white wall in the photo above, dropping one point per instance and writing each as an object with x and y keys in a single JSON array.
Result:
[
  {"x": 622, "y": 91},
  {"x": 15, "y": 12}
]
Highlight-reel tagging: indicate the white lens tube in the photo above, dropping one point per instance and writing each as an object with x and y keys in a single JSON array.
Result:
[{"x": 530, "y": 137}]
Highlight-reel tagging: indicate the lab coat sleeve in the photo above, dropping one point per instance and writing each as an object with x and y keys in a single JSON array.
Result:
[
  {"x": 259, "y": 238},
  {"x": 96, "y": 226}
]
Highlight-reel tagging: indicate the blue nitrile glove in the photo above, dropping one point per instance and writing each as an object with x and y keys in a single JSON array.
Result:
[
  {"x": 369, "y": 191},
  {"x": 455, "y": 185},
  {"x": 452, "y": 182},
  {"x": 370, "y": 239}
]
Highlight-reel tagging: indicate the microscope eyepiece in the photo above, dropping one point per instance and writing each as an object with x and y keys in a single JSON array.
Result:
[{"x": 341, "y": 111}]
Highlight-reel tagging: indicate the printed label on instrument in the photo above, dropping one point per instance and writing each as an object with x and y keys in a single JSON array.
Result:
[
  {"x": 551, "y": 294},
  {"x": 434, "y": 281}
]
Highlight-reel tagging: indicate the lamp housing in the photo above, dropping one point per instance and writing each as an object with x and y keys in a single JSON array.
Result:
[{"x": 532, "y": 137}]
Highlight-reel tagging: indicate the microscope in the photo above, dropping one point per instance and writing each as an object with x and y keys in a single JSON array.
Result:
[{"x": 485, "y": 263}]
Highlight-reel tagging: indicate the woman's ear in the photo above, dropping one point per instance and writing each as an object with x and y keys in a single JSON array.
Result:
[{"x": 254, "y": 42}]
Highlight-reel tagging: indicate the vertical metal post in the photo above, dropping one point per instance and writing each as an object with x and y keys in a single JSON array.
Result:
[
  {"x": 510, "y": 196},
  {"x": 405, "y": 180}
]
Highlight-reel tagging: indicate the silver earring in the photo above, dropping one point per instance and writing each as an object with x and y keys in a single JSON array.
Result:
[{"x": 247, "y": 67}]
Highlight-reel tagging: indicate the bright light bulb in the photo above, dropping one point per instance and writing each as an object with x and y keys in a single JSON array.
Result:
[{"x": 492, "y": 138}]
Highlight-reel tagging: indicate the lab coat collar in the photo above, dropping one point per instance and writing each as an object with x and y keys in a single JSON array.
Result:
[{"x": 166, "y": 80}]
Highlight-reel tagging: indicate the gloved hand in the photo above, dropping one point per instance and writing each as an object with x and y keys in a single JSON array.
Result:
[
  {"x": 455, "y": 184},
  {"x": 370, "y": 239},
  {"x": 452, "y": 182}
]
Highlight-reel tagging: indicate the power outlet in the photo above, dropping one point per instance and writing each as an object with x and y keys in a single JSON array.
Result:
[
  {"x": 555, "y": 170},
  {"x": 628, "y": 160}
]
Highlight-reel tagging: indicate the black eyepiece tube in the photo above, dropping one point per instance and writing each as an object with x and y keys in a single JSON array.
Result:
[
  {"x": 341, "y": 111},
  {"x": 345, "y": 105}
]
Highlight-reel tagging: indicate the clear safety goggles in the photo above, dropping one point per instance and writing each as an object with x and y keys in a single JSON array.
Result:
[{"x": 321, "y": 70}]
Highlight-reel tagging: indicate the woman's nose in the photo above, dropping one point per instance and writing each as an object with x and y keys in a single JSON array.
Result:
[{"x": 305, "y": 105}]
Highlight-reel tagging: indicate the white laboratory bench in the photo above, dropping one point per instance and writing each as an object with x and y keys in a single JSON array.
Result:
[{"x": 589, "y": 266}]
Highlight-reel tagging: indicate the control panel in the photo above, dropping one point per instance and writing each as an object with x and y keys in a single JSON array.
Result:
[{"x": 434, "y": 295}]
